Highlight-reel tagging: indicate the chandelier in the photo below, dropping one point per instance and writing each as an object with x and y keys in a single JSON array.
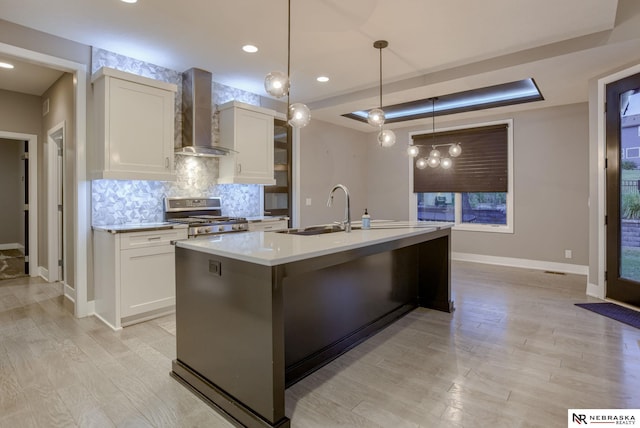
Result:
[{"x": 435, "y": 158}]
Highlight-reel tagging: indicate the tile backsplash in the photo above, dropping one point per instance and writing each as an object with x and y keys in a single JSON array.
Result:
[{"x": 137, "y": 201}]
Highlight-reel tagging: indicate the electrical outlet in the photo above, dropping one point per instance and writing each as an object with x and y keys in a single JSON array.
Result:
[
  {"x": 215, "y": 267},
  {"x": 308, "y": 202},
  {"x": 568, "y": 254}
]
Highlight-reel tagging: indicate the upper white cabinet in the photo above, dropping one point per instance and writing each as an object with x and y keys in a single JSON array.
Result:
[
  {"x": 134, "y": 127},
  {"x": 248, "y": 130}
]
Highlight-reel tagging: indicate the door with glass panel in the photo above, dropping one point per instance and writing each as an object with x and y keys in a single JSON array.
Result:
[{"x": 623, "y": 190}]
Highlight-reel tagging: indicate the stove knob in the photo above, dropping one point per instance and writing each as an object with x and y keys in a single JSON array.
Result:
[{"x": 208, "y": 229}]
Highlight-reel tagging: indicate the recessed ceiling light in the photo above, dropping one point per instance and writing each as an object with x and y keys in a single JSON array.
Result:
[
  {"x": 322, "y": 79},
  {"x": 6, "y": 65},
  {"x": 250, "y": 48},
  {"x": 129, "y": 1}
]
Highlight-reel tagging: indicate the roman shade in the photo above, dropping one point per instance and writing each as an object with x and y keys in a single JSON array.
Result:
[{"x": 482, "y": 166}]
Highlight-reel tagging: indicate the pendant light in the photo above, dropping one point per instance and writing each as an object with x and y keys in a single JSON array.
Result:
[
  {"x": 278, "y": 85},
  {"x": 376, "y": 116},
  {"x": 435, "y": 158}
]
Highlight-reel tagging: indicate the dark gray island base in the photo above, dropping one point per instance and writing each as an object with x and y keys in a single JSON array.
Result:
[{"x": 246, "y": 331}]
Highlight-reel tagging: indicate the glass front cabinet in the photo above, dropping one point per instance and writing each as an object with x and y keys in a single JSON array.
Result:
[{"x": 277, "y": 198}]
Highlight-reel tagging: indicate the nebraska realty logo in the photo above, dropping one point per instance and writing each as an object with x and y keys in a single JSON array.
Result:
[{"x": 599, "y": 417}]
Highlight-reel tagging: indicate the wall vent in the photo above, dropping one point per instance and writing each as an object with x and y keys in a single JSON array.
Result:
[
  {"x": 45, "y": 107},
  {"x": 552, "y": 272}
]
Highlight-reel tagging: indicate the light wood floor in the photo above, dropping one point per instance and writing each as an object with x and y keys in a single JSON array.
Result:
[{"x": 515, "y": 353}]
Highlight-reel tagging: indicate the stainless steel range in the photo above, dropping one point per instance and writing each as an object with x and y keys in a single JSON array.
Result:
[{"x": 203, "y": 215}]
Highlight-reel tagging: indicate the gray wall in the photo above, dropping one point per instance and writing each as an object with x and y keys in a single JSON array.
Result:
[
  {"x": 20, "y": 113},
  {"x": 551, "y": 168},
  {"x": 331, "y": 154},
  {"x": 61, "y": 108},
  {"x": 12, "y": 191}
]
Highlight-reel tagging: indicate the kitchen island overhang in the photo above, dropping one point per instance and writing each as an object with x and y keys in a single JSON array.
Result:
[{"x": 255, "y": 312}]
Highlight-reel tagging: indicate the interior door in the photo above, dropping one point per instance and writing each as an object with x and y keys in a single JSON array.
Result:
[
  {"x": 60, "y": 203},
  {"x": 26, "y": 204},
  {"x": 623, "y": 190}
]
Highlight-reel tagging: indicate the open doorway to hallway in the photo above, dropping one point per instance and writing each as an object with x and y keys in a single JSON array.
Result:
[{"x": 14, "y": 222}]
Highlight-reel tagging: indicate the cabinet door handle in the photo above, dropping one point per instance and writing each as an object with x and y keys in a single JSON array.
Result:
[
  {"x": 154, "y": 238},
  {"x": 239, "y": 168},
  {"x": 166, "y": 163}
]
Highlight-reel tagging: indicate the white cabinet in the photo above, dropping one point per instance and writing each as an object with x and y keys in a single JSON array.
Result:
[
  {"x": 134, "y": 274},
  {"x": 268, "y": 225},
  {"x": 248, "y": 130},
  {"x": 134, "y": 121}
]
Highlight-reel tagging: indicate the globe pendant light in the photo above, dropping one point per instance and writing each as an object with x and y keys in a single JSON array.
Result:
[
  {"x": 376, "y": 116},
  {"x": 278, "y": 85},
  {"x": 413, "y": 151},
  {"x": 299, "y": 115},
  {"x": 421, "y": 163},
  {"x": 455, "y": 150},
  {"x": 386, "y": 138}
]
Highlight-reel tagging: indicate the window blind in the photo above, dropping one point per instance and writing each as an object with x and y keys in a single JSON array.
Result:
[{"x": 482, "y": 166}]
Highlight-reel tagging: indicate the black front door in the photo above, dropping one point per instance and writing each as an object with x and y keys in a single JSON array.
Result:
[{"x": 623, "y": 190}]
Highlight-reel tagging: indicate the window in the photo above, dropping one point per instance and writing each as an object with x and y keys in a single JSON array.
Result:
[
  {"x": 436, "y": 206},
  {"x": 476, "y": 193},
  {"x": 632, "y": 153}
]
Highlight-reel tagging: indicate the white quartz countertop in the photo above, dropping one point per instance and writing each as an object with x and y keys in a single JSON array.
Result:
[
  {"x": 272, "y": 248},
  {"x": 138, "y": 227}
]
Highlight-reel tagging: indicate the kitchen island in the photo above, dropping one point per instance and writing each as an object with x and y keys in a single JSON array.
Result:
[{"x": 257, "y": 311}]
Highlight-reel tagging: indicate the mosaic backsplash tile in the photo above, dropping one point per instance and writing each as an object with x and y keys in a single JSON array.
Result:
[{"x": 137, "y": 201}]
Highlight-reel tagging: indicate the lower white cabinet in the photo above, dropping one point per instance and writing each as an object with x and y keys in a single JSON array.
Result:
[{"x": 134, "y": 274}]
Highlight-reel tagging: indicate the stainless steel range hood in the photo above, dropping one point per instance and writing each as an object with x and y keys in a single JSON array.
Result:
[{"x": 196, "y": 116}]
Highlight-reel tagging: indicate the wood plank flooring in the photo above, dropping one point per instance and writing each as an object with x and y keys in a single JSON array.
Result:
[{"x": 515, "y": 353}]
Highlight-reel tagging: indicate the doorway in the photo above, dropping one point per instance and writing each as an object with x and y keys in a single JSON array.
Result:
[
  {"x": 81, "y": 189},
  {"x": 21, "y": 152},
  {"x": 55, "y": 205},
  {"x": 14, "y": 226},
  {"x": 623, "y": 190}
]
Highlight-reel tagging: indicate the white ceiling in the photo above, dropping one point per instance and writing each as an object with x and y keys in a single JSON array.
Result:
[
  {"x": 435, "y": 47},
  {"x": 26, "y": 77}
]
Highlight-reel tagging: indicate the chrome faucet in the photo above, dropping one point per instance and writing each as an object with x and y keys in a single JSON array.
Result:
[{"x": 347, "y": 208}]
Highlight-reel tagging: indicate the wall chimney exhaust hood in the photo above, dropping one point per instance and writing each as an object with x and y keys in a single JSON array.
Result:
[{"x": 196, "y": 116}]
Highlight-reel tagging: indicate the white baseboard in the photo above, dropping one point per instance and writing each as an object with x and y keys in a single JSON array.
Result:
[
  {"x": 70, "y": 293},
  {"x": 594, "y": 290},
  {"x": 12, "y": 246},
  {"x": 106, "y": 322},
  {"x": 43, "y": 273},
  {"x": 521, "y": 263}
]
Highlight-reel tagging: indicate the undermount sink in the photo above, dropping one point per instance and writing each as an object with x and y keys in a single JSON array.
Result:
[{"x": 312, "y": 230}]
